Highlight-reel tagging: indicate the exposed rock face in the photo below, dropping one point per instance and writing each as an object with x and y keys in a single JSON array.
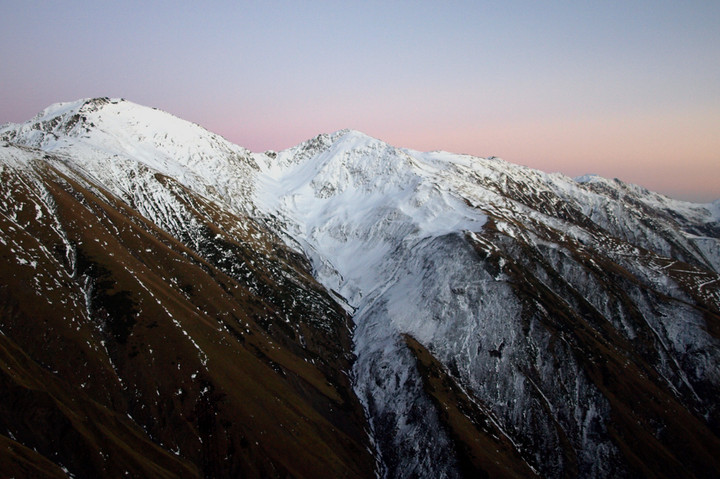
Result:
[{"x": 176, "y": 306}]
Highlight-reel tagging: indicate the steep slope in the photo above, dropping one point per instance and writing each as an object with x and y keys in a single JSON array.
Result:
[
  {"x": 576, "y": 321},
  {"x": 192, "y": 345},
  {"x": 475, "y": 319}
]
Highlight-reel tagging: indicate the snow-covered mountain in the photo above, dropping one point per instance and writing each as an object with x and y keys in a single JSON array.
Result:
[{"x": 411, "y": 314}]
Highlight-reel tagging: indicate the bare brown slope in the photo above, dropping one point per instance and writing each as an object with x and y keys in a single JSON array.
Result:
[{"x": 223, "y": 357}]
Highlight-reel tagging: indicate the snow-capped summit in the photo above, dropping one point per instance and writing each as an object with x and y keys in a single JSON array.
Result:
[
  {"x": 356, "y": 199},
  {"x": 109, "y": 137},
  {"x": 587, "y": 178}
]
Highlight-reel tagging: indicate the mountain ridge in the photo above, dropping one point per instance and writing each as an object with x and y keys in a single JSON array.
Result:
[
  {"x": 447, "y": 300},
  {"x": 60, "y": 109}
]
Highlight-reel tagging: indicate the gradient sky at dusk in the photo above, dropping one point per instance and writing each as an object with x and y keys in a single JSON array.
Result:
[{"x": 627, "y": 89}]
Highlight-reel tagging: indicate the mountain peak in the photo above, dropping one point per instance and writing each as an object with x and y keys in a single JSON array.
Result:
[
  {"x": 82, "y": 105},
  {"x": 109, "y": 137},
  {"x": 587, "y": 178},
  {"x": 349, "y": 133},
  {"x": 347, "y": 137}
]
